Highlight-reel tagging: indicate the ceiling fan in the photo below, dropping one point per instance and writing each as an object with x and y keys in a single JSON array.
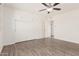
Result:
[
  {"x": 50, "y": 7},
  {"x": 0, "y": 3}
]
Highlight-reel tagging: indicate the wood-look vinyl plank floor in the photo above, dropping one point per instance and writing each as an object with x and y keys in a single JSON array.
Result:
[{"x": 42, "y": 47}]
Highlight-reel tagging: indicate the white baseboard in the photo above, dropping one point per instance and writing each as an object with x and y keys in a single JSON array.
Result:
[{"x": 76, "y": 42}]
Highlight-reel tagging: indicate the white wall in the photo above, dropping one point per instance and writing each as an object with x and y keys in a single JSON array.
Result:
[
  {"x": 66, "y": 26},
  {"x": 9, "y": 34},
  {"x": 1, "y": 27},
  {"x": 20, "y": 25},
  {"x": 28, "y": 26}
]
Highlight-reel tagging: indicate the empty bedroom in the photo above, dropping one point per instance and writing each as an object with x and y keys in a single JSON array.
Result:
[{"x": 39, "y": 29}]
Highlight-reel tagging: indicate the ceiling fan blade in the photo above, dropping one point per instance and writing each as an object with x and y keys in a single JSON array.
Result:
[
  {"x": 0, "y": 3},
  {"x": 45, "y": 4},
  {"x": 50, "y": 4},
  {"x": 57, "y": 8},
  {"x": 56, "y": 4},
  {"x": 42, "y": 9}
]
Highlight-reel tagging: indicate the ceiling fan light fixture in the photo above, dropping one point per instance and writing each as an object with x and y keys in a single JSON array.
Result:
[{"x": 49, "y": 9}]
